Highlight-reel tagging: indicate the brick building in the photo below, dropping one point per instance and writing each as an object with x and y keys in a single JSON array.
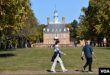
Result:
[{"x": 56, "y": 29}]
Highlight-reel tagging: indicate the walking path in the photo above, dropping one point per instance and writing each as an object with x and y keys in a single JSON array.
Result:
[{"x": 34, "y": 72}]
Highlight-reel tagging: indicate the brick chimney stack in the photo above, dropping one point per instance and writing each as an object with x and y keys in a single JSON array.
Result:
[
  {"x": 48, "y": 20},
  {"x": 63, "y": 20}
]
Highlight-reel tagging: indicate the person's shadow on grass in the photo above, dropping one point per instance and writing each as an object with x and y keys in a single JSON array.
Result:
[{"x": 5, "y": 55}]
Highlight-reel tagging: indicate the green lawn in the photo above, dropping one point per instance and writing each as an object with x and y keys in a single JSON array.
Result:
[{"x": 38, "y": 59}]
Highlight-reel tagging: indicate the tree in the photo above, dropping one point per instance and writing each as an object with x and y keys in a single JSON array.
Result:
[
  {"x": 30, "y": 28},
  {"x": 13, "y": 13},
  {"x": 96, "y": 20},
  {"x": 40, "y": 32},
  {"x": 73, "y": 27},
  {"x": 16, "y": 19}
]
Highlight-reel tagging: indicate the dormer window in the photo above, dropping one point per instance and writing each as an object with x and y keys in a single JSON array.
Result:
[
  {"x": 47, "y": 30},
  {"x": 59, "y": 30},
  {"x": 52, "y": 30},
  {"x": 64, "y": 29},
  {"x": 56, "y": 30}
]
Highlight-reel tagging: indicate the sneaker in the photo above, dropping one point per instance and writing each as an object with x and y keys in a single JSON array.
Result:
[
  {"x": 51, "y": 71},
  {"x": 83, "y": 70},
  {"x": 65, "y": 70}
]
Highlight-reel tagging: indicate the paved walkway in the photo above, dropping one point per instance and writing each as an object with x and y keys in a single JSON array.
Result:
[{"x": 33, "y": 72}]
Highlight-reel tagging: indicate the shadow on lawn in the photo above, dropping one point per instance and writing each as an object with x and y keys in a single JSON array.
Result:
[
  {"x": 7, "y": 49},
  {"x": 5, "y": 55}
]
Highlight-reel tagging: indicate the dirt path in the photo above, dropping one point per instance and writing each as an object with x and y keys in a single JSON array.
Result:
[{"x": 33, "y": 72}]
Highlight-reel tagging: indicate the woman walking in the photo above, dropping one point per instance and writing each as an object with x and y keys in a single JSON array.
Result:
[{"x": 57, "y": 58}]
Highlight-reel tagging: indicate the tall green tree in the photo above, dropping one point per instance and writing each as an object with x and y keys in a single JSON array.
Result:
[
  {"x": 17, "y": 19},
  {"x": 73, "y": 27},
  {"x": 13, "y": 14},
  {"x": 29, "y": 30},
  {"x": 96, "y": 19},
  {"x": 40, "y": 32}
]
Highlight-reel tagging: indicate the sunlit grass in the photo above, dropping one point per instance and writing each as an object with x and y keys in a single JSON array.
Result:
[{"x": 39, "y": 59}]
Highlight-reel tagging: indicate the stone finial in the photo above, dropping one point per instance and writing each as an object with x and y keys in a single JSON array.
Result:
[
  {"x": 48, "y": 20},
  {"x": 63, "y": 20}
]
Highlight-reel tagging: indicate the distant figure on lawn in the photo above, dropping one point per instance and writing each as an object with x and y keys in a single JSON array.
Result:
[
  {"x": 88, "y": 52},
  {"x": 104, "y": 42},
  {"x": 57, "y": 57}
]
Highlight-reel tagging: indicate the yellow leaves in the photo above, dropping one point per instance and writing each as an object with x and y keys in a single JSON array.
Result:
[
  {"x": 14, "y": 15},
  {"x": 2, "y": 13},
  {"x": 82, "y": 30},
  {"x": 98, "y": 28},
  {"x": 1, "y": 28},
  {"x": 106, "y": 17}
]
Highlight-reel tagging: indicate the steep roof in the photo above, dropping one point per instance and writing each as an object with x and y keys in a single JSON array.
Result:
[{"x": 55, "y": 28}]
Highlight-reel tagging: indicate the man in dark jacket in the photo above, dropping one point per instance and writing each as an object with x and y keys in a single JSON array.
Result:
[{"x": 88, "y": 52}]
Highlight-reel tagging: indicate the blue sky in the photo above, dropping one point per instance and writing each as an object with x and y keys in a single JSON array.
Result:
[{"x": 70, "y": 9}]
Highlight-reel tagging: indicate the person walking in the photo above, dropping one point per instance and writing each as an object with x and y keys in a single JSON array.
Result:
[
  {"x": 88, "y": 52},
  {"x": 57, "y": 58},
  {"x": 104, "y": 42}
]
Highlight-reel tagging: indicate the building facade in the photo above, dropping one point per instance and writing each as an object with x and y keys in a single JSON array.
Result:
[{"x": 56, "y": 29}]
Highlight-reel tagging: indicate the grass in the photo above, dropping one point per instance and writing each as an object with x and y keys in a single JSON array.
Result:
[{"x": 38, "y": 59}]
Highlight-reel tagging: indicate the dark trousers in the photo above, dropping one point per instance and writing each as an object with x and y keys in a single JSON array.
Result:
[
  {"x": 55, "y": 55},
  {"x": 88, "y": 63}
]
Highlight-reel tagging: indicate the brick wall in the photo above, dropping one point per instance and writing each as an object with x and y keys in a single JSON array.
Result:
[{"x": 48, "y": 38}]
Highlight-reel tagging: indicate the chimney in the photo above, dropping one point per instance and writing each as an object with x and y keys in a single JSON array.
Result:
[
  {"x": 48, "y": 20},
  {"x": 63, "y": 20}
]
